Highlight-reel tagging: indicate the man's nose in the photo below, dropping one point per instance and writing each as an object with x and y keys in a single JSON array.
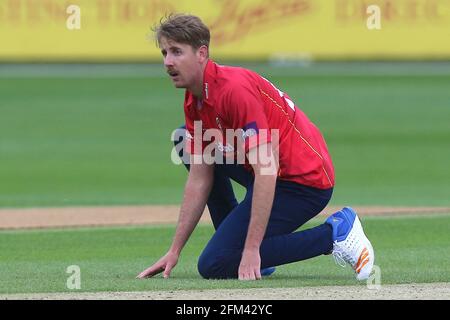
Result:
[{"x": 168, "y": 61}]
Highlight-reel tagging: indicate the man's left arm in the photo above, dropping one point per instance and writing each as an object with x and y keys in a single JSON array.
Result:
[{"x": 265, "y": 169}]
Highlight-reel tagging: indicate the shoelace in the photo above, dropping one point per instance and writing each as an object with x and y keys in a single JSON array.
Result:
[{"x": 340, "y": 257}]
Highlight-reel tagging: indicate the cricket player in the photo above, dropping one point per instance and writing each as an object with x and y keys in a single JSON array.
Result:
[{"x": 286, "y": 169}]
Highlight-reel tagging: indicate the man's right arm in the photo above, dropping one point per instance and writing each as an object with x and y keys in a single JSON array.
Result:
[{"x": 196, "y": 192}]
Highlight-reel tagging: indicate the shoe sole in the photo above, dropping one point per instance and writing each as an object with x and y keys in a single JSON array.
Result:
[{"x": 267, "y": 271}]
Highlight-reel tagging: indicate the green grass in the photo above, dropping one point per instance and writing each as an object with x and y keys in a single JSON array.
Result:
[
  {"x": 409, "y": 249},
  {"x": 101, "y": 138}
]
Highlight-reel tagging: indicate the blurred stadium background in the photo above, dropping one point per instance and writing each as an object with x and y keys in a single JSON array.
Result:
[{"x": 86, "y": 114}]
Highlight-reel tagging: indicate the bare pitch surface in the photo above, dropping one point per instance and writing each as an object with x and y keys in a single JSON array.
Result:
[
  {"x": 140, "y": 215},
  {"x": 413, "y": 291}
]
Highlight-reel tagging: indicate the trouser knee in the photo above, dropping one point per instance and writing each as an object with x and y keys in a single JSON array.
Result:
[{"x": 213, "y": 266}]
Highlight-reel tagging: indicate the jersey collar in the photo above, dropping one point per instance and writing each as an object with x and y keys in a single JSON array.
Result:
[{"x": 209, "y": 83}]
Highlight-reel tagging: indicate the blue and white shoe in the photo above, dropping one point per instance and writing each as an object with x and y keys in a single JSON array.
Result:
[
  {"x": 267, "y": 271},
  {"x": 350, "y": 244}
]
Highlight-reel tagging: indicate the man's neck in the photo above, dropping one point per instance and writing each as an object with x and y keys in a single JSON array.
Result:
[{"x": 197, "y": 92}]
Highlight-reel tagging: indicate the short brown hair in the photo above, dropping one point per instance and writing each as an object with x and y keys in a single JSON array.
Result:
[{"x": 183, "y": 28}]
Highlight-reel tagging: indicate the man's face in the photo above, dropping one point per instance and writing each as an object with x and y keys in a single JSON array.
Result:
[{"x": 182, "y": 62}]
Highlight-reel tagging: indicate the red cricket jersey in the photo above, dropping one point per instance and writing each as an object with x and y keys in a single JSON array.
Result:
[{"x": 237, "y": 98}]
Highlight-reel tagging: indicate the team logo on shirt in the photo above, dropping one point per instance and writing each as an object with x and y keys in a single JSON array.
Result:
[{"x": 224, "y": 148}]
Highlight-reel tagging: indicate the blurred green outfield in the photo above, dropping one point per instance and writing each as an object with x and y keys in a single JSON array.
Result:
[{"x": 100, "y": 134}]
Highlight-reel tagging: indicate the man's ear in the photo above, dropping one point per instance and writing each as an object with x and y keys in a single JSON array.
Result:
[{"x": 203, "y": 53}]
